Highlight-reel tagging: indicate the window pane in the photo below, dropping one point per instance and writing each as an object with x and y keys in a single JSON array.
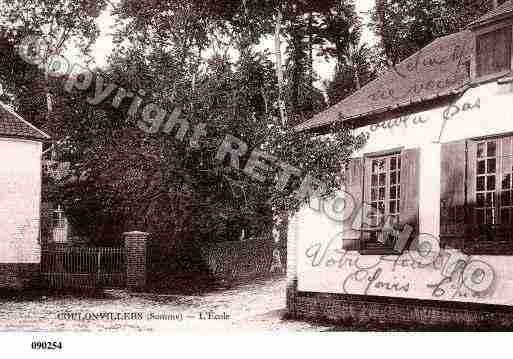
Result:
[
  {"x": 506, "y": 146},
  {"x": 382, "y": 179},
  {"x": 491, "y": 165},
  {"x": 392, "y": 207},
  {"x": 489, "y": 217},
  {"x": 381, "y": 165},
  {"x": 374, "y": 166},
  {"x": 506, "y": 199},
  {"x": 393, "y": 163},
  {"x": 506, "y": 164},
  {"x": 481, "y": 183},
  {"x": 393, "y": 178},
  {"x": 399, "y": 192},
  {"x": 481, "y": 149},
  {"x": 480, "y": 200},
  {"x": 481, "y": 167},
  {"x": 492, "y": 149},
  {"x": 506, "y": 181},
  {"x": 374, "y": 180},
  {"x": 381, "y": 207},
  {"x": 381, "y": 193},
  {"x": 374, "y": 195},
  {"x": 490, "y": 200},
  {"x": 392, "y": 193},
  {"x": 490, "y": 183},
  {"x": 505, "y": 216}
]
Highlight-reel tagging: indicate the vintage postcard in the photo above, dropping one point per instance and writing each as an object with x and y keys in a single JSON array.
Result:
[{"x": 235, "y": 166}]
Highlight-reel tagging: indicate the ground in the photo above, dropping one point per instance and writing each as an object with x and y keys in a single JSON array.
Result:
[{"x": 257, "y": 306}]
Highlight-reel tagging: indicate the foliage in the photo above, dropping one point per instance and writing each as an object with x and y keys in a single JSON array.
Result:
[
  {"x": 62, "y": 24},
  {"x": 177, "y": 53},
  {"x": 406, "y": 26}
]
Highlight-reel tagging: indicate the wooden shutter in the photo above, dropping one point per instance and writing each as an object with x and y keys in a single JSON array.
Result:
[
  {"x": 410, "y": 170},
  {"x": 452, "y": 193},
  {"x": 354, "y": 186}
]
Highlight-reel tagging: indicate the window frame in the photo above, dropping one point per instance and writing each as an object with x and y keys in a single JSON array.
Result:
[
  {"x": 508, "y": 26},
  {"x": 371, "y": 230},
  {"x": 486, "y": 234}
]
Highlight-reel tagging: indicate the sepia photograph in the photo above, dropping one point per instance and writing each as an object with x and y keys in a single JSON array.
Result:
[{"x": 217, "y": 167}]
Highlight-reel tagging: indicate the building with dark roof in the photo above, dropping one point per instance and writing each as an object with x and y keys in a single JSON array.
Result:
[
  {"x": 21, "y": 147},
  {"x": 425, "y": 232}
]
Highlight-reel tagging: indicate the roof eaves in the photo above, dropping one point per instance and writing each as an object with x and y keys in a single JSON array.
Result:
[
  {"x": 477, "y": 24},
  {"x": 44, "y": 135},
  {"x": 498, "y": 14},
  {"x": 400, "y": 105}
]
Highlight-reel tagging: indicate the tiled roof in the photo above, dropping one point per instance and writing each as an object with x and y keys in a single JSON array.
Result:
[
  {"x": 12, "y": 125},
  {"x": 440, "y": 69},
  {"x": 497, "y": 14}
]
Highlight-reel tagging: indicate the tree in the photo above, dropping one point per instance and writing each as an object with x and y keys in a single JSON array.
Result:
[
  {"x": 342, "y": 34},
  {"x": 122, "y": 178},
  {"x": 354, "y": 72},
  {"x": 406, "y": 26},
  {"x": 60, "y": 24}
]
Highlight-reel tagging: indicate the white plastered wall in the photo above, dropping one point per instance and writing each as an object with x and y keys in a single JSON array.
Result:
[
  {"x": 20, "y": 199},
  {"x": 488, "y": 111}
]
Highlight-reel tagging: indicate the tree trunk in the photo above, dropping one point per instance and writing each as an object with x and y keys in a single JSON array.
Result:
[
  {"x": 380, "y": 9},
  {"x": 310, "y": 50},
  {"x": 353, "y": 51},
  {"x": 279, "y": 67},
  {"x": 299, "y": 56}
]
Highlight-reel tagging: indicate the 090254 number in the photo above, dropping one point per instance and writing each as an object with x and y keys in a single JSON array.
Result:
[{"x": 46, "y": 345}]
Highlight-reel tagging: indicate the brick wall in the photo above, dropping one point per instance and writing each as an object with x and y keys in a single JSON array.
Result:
[
  {"x": 136, "y": 260},
  {"x": 243, "y": 260},
  {"x": 386, "y": 313}
]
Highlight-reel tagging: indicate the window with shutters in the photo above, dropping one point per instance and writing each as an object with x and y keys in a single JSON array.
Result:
[
  {"x": 494, "y": 52},
  {"x": 385, "y": 189},
  {"x": 492, "y": 206},
  {"x": 390, "y": 200},
  {"x": 476, "y": 198}
]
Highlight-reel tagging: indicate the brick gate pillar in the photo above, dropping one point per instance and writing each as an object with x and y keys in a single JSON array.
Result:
[{"x": 136, "y": 260}]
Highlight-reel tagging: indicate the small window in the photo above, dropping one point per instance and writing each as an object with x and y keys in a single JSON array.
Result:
[{"x": 494, "y": 52}]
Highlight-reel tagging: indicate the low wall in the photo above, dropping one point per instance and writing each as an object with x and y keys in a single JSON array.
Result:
[
  {"x": 383, "y": 313},
  {"x": 233, "y": 261}
]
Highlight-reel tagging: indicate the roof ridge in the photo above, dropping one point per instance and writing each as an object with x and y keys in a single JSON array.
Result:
[
  {"x": 500, "y": 11},
  {"x": 434, "y": 71},
  {"x": 391, "y": 70}
]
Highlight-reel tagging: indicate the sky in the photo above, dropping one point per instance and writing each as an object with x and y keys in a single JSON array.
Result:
[{"x": 103, "y": 46}]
